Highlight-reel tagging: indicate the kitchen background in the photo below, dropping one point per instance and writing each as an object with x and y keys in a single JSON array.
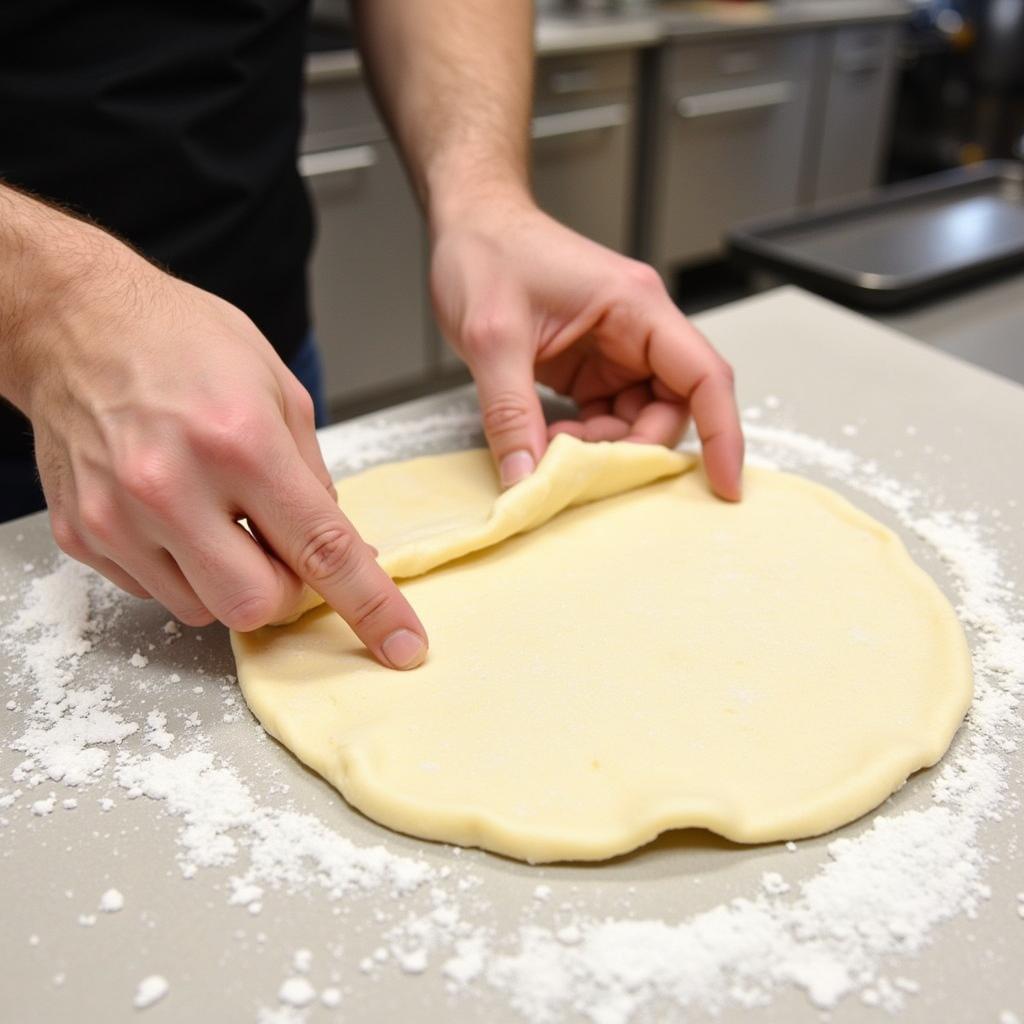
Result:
[{"x": 660, "y": 127}]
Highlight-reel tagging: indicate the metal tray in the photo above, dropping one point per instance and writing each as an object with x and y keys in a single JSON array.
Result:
[{"x": 899, "y": 243}]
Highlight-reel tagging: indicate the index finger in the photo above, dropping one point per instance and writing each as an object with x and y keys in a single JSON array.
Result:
[
  {"x": 298, "y": 519},
  {"x": 683, "y": 359}
]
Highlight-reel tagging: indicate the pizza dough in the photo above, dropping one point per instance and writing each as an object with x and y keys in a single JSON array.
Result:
[{"x": 610, "y": 660}]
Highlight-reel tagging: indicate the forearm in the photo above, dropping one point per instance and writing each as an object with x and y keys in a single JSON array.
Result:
[
  {"x": 454, "y": 78},
  {"x": 47, "y": 258}
]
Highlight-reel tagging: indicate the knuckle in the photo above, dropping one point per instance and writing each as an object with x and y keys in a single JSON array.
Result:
[
  {"x": 330, "y": 553},
  {"x": 228, "y": 436},
  {"x": 484, "y": 332},
  {"x": 195, "y": 616},
  {"x": 97, "y": 517},
  {"x": 643, "y": 277},
  {"x": 303, "y": 403},
  {"x": 246, "y": 612},
  {"x": 147, "y": 478},
  {"x": 726, "y": 372},
  {"x": 66, "y": 536},
  {"x": 504, "y": 413}
]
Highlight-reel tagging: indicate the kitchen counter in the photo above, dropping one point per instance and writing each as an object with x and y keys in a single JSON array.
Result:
[
  {"x": 554, "y": 35},
  {"x": 982, "y": 323},
  {"x": 719, "y": 17},
  {"x": 565, "y": 34},
  {"x": 197, "y": 796}
]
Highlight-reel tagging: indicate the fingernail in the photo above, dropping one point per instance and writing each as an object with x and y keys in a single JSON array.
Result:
[
  {"x": 404, "y": 649},
  {"x": 516, "y": 466}
]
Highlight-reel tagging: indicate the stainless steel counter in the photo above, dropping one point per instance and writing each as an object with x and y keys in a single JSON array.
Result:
[
  {"x": 803, "y": 365},
  {"x": 983, "y": 324}
]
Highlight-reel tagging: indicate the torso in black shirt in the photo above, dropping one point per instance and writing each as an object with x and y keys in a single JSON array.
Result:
[{"x": 175, "y": 124}]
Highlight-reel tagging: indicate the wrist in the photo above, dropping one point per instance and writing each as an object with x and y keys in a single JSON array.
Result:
[
  {"x": 60, "y": 269},
  {"x": 459, "y": 199}
]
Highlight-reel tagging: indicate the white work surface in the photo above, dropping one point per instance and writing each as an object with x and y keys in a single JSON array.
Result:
[{"x": 810, "y": 376}]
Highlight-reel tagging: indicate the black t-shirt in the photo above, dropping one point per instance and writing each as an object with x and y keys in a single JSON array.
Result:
[{"x": 174, "y": 124}]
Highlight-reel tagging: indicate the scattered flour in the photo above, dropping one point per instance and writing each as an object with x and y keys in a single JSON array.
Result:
[
  {"x": 284, "y": 849},
  {"x": 151, "y": 990},
  {"x": 331, "y": 997},
  {"x": 296, "y": 992},
  {"x": 112, "y": 901},
  {"x": 385, "y": 439},
  {"x": 69, "y": 727},
  {"x": 43, "y": 807},
  {"x": 156, "y": 734}
]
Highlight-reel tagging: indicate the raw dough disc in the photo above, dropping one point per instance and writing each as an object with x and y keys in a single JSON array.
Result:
[{"x": 654, "y": 660}]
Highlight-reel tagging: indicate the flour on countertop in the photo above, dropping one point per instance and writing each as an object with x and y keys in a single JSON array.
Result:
[
  {"x": 112, "y": 901},
  {"x": 156, "y": 734},
  {"x": 881, "y": 894},
  {"x": 296, "y": 991},
  {"x": 385, "y": 439},
  {"x": 151, "y": 990}
]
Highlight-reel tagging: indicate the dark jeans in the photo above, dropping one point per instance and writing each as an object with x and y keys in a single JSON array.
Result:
[
  {"x": 306, "y": 365},
  {"x": 21, "y": 494}
]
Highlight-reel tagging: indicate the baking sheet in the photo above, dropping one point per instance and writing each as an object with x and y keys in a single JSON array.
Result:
[{"x": 900, "y": 243}]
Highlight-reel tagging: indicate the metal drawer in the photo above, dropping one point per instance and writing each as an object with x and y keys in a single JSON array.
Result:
[
  {"x": 580, "y": 80},
  {"x": 726, "y": 61},
  {"x": 725, "y": 142},
  {"x": 339, "y": 113},
  {"x": 369, "y": 294},
  {"x": 856, "y": 87},
  {"x": 582, "y": 163}
]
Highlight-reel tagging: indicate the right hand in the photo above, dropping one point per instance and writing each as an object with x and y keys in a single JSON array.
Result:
[{"x": 162, "y": 417}]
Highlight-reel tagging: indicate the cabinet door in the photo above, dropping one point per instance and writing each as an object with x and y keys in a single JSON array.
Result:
[
  {"x": 859, "y": 73},
  {"x": 728, "y": 138},
  {"x": 583, "y": 142},
  {"x": 581, "y": 169},
  {"x": 369, "y": 307}
]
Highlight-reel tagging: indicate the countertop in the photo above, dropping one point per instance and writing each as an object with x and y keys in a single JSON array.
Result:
[
  {"x": 588, "y": 33},
  {"x": 834, "y": 395},
  {"x": 981, "y": 322}
]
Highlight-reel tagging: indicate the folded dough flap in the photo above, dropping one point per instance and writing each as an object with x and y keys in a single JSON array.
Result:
[{"x": 425, "y": 512}]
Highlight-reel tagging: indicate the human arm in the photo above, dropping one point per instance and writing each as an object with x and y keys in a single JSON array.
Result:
[
  {"x": 162, "y": 417},
  {"x": 519, "y": 296}
]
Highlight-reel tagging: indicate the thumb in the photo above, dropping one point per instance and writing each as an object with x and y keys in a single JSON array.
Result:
[{"x": 510, "y": 408}]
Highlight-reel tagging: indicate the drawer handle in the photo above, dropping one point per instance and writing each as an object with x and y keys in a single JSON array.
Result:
[
  {"x": 858, "y": 63},
  {"x": 750, "y": 97},
  {"x": 337, "y": 161},
  {"x": 574, "y": 122},
  {"x": 563, "y": 83}
]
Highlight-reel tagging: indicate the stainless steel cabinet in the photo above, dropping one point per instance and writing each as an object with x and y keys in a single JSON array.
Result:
[
  {"x": 854, "y": 91},
  {"x": 368, "y": 288},
  {"x": 583, "y": 143},
  {"x": 724, "y": 138}
]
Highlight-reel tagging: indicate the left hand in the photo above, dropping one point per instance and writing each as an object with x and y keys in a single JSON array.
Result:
[{"x": 522, "y": 298}]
